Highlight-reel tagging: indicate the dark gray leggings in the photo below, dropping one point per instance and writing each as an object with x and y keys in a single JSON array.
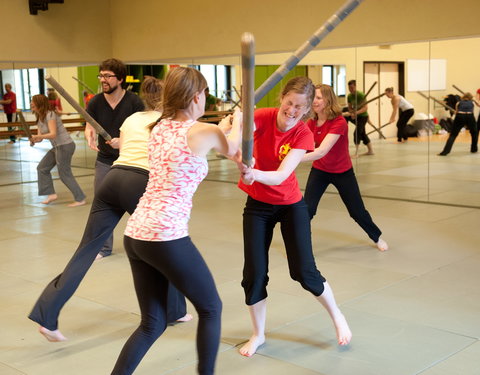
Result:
[{"x": 153, "y": 265}]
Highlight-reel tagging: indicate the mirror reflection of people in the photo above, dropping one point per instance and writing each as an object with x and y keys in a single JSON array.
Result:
[
  {"x": 55, "y": 104},
  {"x": 463, "y": 117},
  {"x": 50, "y": 127},
  {"x": 9, "y": 103},
  {"x": 404, "y": 108},
  {"x": 211, "y": 102},
  {"x": 358, "y": 115},
  {"x": 332, "y": 163}
]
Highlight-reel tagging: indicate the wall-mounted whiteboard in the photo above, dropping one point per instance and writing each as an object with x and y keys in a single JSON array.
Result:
[{"x": 419, "y": 78}]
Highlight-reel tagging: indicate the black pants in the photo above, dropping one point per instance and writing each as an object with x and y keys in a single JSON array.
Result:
[
  {"x": 360, "y": 133},
  {"x": 347, "y": 186},
  {"x": 259, "y": 220},
  {"x": 402, "y": 123},
  {"x": 154, "y": 265},
  {"x": 461, "y": 120},
  {"x": 119, "y": 193},
  {"x": 11, "y": 128}
]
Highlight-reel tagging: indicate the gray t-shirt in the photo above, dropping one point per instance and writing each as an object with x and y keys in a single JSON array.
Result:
[{"x": 62, "y": 137}]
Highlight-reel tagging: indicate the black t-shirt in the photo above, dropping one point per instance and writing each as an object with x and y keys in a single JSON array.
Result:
[{"x": 111, "y": 120}]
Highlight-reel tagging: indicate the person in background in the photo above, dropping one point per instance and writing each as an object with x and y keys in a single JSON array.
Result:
[
  {"x": 110, "y": 108},
  {"x": 405, "y": 109},
  {"x": 55, "y": 104},
  {"x": 9, "y": 103},
  {"x": 463, "y": 117},
  {"x": 50, "y": 127},
  {"x": 280, "y": 141},
  {"x": 211, "y": 102},
  {"x": 86, "y": 98},
  {"x": 332, "y": 163},
  {"x": 359, "y": 116}
]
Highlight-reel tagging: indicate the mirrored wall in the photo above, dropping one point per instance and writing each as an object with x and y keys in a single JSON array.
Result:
[{"x": 423, "y": 73}]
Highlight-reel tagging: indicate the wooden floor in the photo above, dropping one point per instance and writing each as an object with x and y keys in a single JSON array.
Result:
[{"x": 413, "y": 310}]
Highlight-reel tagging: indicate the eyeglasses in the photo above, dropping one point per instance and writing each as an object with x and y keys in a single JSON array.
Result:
[{"x": 106, "y": 76}]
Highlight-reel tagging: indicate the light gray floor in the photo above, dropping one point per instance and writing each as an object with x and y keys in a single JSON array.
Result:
[{"x": 412, "y": 310}]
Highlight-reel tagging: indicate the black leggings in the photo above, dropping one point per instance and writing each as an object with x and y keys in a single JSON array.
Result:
[
  {"x": 259, "y": 220},
  {"x": 118, "y": 193},
  {"x": 461, "y": 120},
  {"x": 347, "y": 186},
  {"x": 402, "y": 123},
  {"x": 360, "y": 133},
  {"x": 153, "y": 265}
]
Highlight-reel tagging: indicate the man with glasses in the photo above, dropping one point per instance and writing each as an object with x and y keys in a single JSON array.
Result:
[{"x": 110, "y": 109}]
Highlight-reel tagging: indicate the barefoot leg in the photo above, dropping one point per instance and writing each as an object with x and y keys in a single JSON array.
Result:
[
  {"x": 344, "y": 335},
  {"x": 381, "y": 245},
  {"x": 258, "y": 314},
  {"x": 185, "y": 318},
  {"x": 76, "y": 204},
  {"x": 52, "y": 336},
  {"x": 50, "y": 198}
]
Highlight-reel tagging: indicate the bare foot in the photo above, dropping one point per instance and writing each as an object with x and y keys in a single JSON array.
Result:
[
  {"x": 185, "y": 318},
  {"x": 381, "y": 245},
  {"x": 50, "y": 198},
  {"x": 76, "y": 204},
  {"x": 52, "y": 336},
  {"x": 252, "y": 345},
  {"x": 344, "y": 335},
  {"x": 367, "y": 153},
  {"x": 99, "y": 256}
]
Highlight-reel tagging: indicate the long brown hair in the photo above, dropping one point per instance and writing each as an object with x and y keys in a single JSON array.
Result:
[
  {"x": 151, "y": 93},
  {"x": 42, "y": 106},
  {"x": 180, "y": 86},
  {"x": 332, "y": 108}
]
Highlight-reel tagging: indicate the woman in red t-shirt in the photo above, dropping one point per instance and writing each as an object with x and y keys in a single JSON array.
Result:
[
  {"x": 332, "y": 164},
  {"x": 280, "y": 141}
]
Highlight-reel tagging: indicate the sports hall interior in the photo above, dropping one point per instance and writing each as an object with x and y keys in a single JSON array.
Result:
[{"x": 413, "y": 309}]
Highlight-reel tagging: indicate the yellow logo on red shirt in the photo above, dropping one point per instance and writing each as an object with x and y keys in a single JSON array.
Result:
[{"x": 284, "y": 150}]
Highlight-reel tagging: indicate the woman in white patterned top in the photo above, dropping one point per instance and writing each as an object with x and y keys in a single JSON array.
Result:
[{"x": 156, "y": 238}]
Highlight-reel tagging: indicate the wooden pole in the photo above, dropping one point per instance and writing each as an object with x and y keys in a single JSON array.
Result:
[
  {"x": 371, "y": 88},
  {"x": 101, "y": 131},
  {"x": 371, "y": 100},
  {"x": 436, "y": 100},
  {"x": 248, "y": 95},
  {"x": 461, "y": 91},
  {"x": 25, "y": 126},
  {"x": 305, "y": 48},
  {"x": 84, "y": 85}
]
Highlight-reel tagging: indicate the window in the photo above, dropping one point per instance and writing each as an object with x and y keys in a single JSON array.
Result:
[
  {"x": 218, "y": 78},
  {"x": 25, "y": 83}
]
